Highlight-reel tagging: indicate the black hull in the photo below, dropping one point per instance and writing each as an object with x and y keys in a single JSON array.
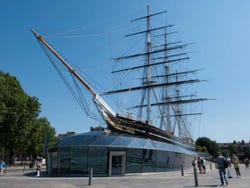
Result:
[{"x": 137, "y": 128}]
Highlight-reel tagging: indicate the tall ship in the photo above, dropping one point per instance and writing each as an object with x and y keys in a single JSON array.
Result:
[{"x": 160, "y": 93}]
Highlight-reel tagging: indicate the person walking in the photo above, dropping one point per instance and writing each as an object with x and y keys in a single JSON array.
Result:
[
  {"x": 246, "y": 161},
  {"x": 199, "y": 165},
  {"x": 236, "y": 163},
  {"x": 38, "y": 167},
  {"x": 203, "y": 164},
  {"x": 2, "y": 167},
  {"x": 229, "y": 168},
  {"x": 221, "y": 161}
]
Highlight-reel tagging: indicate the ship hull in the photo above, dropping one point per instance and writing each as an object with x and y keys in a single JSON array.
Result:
[{"x": 133, "y": 127}]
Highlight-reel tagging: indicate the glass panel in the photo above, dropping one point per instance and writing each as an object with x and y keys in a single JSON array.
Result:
[
  {"x": 162, "y": 161},
  {"x": 134, "y": 161},
  {"x": 148, "y": 160},
  {"x": 98, "y": 160},
  {"x": 64, "y": 160},
  {"x": 122, "y": 141},
  {"x": 79, "y": 161},
  {"x": 135, "y": 144},
  {"x": 177, "y": 160},
  {"x": 54, "y": 159},
  {"x": 54, "y": 162},
  {"x": 126, "y": 141},
  {"x": 171, "y": 161},
  {"x": 81, "y": 139},
  {"x": 142, "y": 142},
  {"x": 116, "y": 165},
  {"x": 105, "y": 140},
  {"x": 187, "y": 160},
  {"x": 148, "y": 145}
]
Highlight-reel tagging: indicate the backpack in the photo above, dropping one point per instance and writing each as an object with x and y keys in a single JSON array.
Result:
[{"x": 226, "y": 163}]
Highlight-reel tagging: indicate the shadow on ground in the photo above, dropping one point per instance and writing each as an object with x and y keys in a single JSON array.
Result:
[{"x": 201, "y": 186}]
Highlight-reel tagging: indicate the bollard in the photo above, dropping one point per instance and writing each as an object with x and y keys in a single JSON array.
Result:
[
  {"x": 211, "y": 167},
  {"x": 23, "y": 168},
  {"x": 5, "y": 170},
  {"x": 90, "y": 175},
  {"x": 195, "y": 177},
  {"x": 182, "y": 170}
]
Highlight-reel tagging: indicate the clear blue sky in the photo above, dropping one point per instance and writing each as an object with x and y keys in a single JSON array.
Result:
[{"x": 220, "y": 30}]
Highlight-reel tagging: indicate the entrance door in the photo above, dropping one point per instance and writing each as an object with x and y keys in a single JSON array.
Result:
[{"x": 117, "y": 163}]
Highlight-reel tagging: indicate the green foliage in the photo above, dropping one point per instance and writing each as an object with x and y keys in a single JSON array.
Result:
[
  {"x": 37, "y": 137},
  {"x": 21, "y": 131},
  {"x": 232, "y": 149},
  {"x": 201, "y": 149},
  {"x": 211, "y": 146},
  {"x": 239, "y": 148}
]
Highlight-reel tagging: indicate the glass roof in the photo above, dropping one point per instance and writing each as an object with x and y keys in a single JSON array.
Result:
[{"x": 100, "y": 138}]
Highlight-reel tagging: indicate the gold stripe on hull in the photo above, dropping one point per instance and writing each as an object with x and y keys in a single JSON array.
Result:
[{"x": 119, "y": 126}]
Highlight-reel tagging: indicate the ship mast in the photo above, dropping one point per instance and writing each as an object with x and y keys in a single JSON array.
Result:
[
  {"x": 148, "y": 79},
  {"x": 148, "y": 84},
  {"x": 171, "y": 101},
  {"x": 101, "y": 104},
  {"x": 157, "y": 90},
  {"x": 167, "y": 90}
]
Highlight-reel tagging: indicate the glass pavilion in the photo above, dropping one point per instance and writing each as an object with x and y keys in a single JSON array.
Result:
[{"x": 112, "y": 155}]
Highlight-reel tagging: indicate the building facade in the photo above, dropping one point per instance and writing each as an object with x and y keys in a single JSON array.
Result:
[{"x": 111, "y": 155}]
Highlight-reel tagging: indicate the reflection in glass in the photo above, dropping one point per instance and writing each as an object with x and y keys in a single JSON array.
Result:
[
  {"x": 98, "y": 160},
  {"x": 64, "y": 160},
  {"x": 79, "y": 160},
  {"x": 116, "y": 165}
]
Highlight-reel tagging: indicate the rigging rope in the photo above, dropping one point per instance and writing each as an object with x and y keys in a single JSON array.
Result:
[
  {"x": 78, "y": 96},
  {"x": 84, "y": 27}
]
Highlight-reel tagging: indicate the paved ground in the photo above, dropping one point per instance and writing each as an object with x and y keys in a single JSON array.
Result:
[{"x": 15, "y": 178}]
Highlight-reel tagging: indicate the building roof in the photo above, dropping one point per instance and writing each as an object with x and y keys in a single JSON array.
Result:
[{"x": 102, "y": 139}]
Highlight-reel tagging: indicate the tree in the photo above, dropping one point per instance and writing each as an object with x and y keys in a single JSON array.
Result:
[
  {"x": 212, "y": 146},
  {"x": 201, "y": 149},
  {"x": 37, "y": 136},
  {"x": 18, "y": 117},
  {"x": 232, "y": 149}
]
